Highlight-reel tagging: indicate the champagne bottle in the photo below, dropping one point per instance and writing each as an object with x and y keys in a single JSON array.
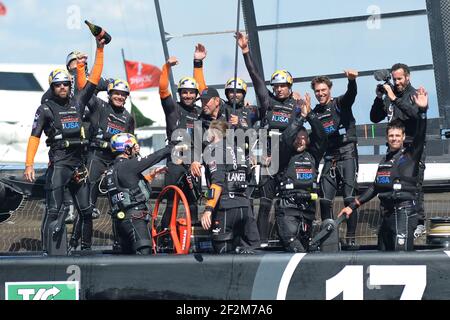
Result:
[{"x": 98, "y": 32}]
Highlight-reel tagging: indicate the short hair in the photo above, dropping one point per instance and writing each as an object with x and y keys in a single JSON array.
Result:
[
  {"x": 220, "y": 125},
  {"x": 321, "y": 79},
  {"x": 395, "y": 124},
  {"x": 401, "y": 66}
]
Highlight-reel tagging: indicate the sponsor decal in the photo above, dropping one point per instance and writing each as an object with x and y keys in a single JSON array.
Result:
[
  {"x": 47, "y": 290},
  {"x": 383, "y": 177},
  {"x": 304, "y": 173},
  {"x": 280, "y": 117},
  {"x": 328, "y": 126}
]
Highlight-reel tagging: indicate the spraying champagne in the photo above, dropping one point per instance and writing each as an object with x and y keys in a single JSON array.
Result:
[{"x": 98, "y": 32}]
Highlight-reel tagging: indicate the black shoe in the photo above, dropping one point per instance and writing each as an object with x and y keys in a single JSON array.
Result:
[
  {"x": 351, "y": 243},
  {"x": 70, "y": 217},
  {"x": 244, "y": 250},
  {"x": 73, "y": 243},
  {"x": 95, "y": 213}
]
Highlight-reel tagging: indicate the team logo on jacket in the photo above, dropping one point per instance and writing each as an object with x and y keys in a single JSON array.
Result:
[
  {"x": 114, "y": 128},
  {"x": 383, "y": 177},
  {"x": 70, "y": 123},
  {"x": 304, "y": 173},
  {"x": 280, "y": 117},
  {"x": 328, "y": 126}
]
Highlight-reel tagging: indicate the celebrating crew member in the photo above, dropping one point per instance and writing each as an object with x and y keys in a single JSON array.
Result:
[
  {"x": 341, "y": 155},
  {"x": 129, "y": 193},
  {"x": 106, "y": 119},
  {"x": 395, "y": 183},
  {"x": 227, "y": 211},
  {"x": 180, "y": 118},
  {"x": 296, "y": 207},
  {"x": 277, "y": 109},
  {"x": 60, "y": 118}
]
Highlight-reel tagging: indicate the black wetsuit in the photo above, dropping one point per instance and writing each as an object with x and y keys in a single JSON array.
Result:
[
  {"x": 180, "y": 120},
  {"x": 274, "y": 114},
  {"x": 61, "y": 120},
  {"x": 101, "y": 86},
  {"x": 105, "y": 121},
  {"x": 395, "y": 185},
  {"x": 404, "y": 109},
  {"x": 294, "y": 210},
  {"x": 232, "y": 218},
  {"x": 341, "y": 155},
  {"x": 248, "y": 115},
  {"x": 133, "y": 231}
]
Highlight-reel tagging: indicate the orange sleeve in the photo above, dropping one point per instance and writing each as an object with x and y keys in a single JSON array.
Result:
[
  {"x": 217, "y": 192},
  {"x": 97, "y": 68},
  {"x": 149, "y": 177},
  {"x": 200, "y": 78},
  {"x": 81, "y": 76},
  {"x": 32, "y": 147},
  {"x": 164, "y": 91}
]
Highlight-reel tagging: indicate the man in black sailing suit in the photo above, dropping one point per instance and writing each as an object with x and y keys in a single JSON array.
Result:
[{"x": 395, "y": 183}]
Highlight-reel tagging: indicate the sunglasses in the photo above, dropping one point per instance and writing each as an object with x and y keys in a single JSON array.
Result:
[{"x": 59, "y": 84}]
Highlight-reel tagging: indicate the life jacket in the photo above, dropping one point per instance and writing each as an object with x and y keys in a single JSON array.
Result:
[
  {"x": 66, "y": 129},
  {"x": 186, "y": 119},
  {"x": 390, "y": 184},
  {"x": 281, "y": 114},
  {"x": 340, "y": 130},
  {"x": 120, "y": 198},
  {"x": 110, "y": 123},
  {"x": 301, "y": 173},
  {"x": 245, "y": 114}
]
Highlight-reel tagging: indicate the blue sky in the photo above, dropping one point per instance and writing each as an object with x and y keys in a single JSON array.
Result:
[{"x": 45, "y": 31}]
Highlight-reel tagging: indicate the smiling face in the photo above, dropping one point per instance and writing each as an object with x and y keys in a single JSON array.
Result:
[
  {"x": 188, "y": 96},
  {"x": 118, "y": 98},
  {"x": 322, "y": 92},
  {"x": 395, "y": 138}
]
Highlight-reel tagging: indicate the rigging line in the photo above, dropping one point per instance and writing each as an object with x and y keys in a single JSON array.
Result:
[
  {"x": 236, "y": 55},
  {"x": 122, "y": 18}
]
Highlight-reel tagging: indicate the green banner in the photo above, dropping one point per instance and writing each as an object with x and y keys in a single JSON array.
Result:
[{"x": 50, "y": 290}]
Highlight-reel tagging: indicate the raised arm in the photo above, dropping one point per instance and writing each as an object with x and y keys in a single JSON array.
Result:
[
  {"x": 199, "y": 55},
  {"x": 258, "y": 81},
  {"x": 348, "y": 98},
  {"x": 421, "y": 100},
  {"x": 88, "y": 90},
  {"x": 167, "y": 102}
]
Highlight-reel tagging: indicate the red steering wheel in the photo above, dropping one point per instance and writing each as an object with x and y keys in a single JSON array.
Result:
[{"x": 179, "y": 228}]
